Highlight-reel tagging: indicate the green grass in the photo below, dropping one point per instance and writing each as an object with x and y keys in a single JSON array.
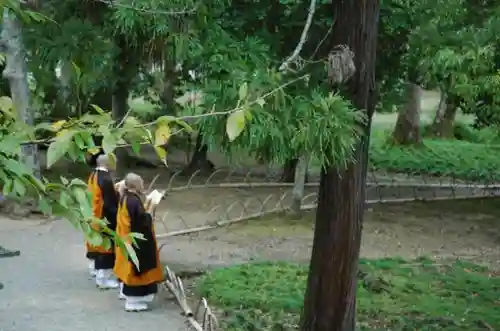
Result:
[
  {"x": 454, "y": 158},
  {"x": 419, "y": 295}
]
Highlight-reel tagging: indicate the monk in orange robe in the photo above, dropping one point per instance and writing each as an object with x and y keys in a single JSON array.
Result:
[
  {"x": 139, "y": 283},
  {"x": 104, "y": 205}
]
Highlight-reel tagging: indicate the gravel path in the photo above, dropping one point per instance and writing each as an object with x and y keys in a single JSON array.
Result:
[{"x": 47, "y": 287}]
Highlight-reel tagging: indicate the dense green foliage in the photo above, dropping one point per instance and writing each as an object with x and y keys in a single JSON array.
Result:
[
  {"x": 393, "y": 294},
  {"x": 458, "y": 159}
]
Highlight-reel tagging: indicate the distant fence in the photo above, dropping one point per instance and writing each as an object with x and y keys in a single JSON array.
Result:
[{"x": 236, "y": 195}]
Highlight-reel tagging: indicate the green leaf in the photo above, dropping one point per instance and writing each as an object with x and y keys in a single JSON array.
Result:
[
  {"x": 131, "y": 254},
  {"x": 19, "y": 187},
  {"x": 235, "y": 124},
  {"x": 79, "y": 140},
  {"x": 162, "y": 153},
  {"x": 95, "y": 238},
  {"x": 78, "y": 182},
  {"x": 243, "y": 91},
  {"x": 184, "y": 125},
  {"x": 109, "y": 142},
  {"x": 7, "y": 187},
  {"x": 136, "y": 147},
  {"x": 58, "y": 148},
  {"x": 44, "y": 206},
  {"x": 76, "y": 68}
]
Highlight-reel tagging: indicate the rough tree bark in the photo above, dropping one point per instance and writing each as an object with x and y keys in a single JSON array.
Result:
[
  {"x": 442, "y": 125},
  {"x": 16, "y": 72},
  {"x": 330, "y": 298},
  {"x": 407, "y": 129}
]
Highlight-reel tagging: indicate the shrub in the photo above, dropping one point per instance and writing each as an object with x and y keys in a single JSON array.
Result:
[
  {"x": 393, "y": 294},
  {"x": 459, "y": 159},
  {"x": 468, "y": 133}
]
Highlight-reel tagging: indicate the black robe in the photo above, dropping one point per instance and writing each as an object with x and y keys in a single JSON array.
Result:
[{"x": 141, "y": 222}]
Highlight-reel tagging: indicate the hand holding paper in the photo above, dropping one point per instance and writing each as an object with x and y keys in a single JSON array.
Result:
[
  {"x": 120, "y": 187},
  {"x": 153, "y": 199}
]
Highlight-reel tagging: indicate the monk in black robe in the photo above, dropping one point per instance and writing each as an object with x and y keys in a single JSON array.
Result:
[
  {"x": 91, "y": 253},
  {"x": 104, "y": 205},
  {"x": 139, "y": 283}
]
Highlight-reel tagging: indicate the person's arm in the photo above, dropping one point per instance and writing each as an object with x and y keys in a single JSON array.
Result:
[{"x": 110, "y": 199}]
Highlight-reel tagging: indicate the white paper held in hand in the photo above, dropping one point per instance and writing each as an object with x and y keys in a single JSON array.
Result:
[
  {"x": 120, "y": 186},
  {"x": 155, "y": 197}
]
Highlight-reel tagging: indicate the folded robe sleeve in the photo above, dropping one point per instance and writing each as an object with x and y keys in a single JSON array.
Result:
[{"x": 142, "y": 222}]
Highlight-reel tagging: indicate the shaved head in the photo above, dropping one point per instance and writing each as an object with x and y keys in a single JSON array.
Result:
[
  {"x": 102, "y": 161},
  {"x": 134, "y": 182}
]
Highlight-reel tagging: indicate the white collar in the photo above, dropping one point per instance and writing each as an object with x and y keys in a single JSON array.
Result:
[{"x": 101, "y": 169}]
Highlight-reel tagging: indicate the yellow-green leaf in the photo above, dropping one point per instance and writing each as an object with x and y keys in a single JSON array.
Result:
[
  {"x": 6, "y": 105},
  {"x": 162, "y": 134},
  {"x": 235, "y": 124},
  {"x": 243, "y": 91},
  {"x": 162, "y": 153},
  {"x": 112, "y": 161},
  {"x": 58, "y": 125}
]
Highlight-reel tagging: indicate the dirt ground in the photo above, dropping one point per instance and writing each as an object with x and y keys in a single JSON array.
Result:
[
  {"x": 460, "y": 228},
  {"x": 453, "y": 229}
]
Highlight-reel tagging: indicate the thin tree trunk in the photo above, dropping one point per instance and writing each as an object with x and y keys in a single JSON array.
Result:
[
  {"x": 443, "y": 126},
  {"x": 169, "y": 80},
  {"x": 288, "y": 174},
  {"x": 120, "y": 95},
  {"x": 441, "y": 108},
  {"x": 407, "y": 130},
  {"x": 16, "y": 72},
  {"x": 199, "y": 160},
  {"x": 299, "y": 183},
  {"x": 330, "y": 299},
  {"x": 65, "y": 80}
]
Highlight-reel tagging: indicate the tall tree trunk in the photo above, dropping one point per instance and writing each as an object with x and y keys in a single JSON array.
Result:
[
  {"x": 407, "y": 130},
  {"x": 16, "y": 72},
  {"x": 330, "y": 298},
  {"x": 445, "y": 119}
]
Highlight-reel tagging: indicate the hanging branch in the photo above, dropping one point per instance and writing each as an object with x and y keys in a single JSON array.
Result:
[{"x": 293, "y": 57}]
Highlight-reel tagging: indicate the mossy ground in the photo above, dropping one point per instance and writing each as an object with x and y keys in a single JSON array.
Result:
[{"x": 393, "y": 294}]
